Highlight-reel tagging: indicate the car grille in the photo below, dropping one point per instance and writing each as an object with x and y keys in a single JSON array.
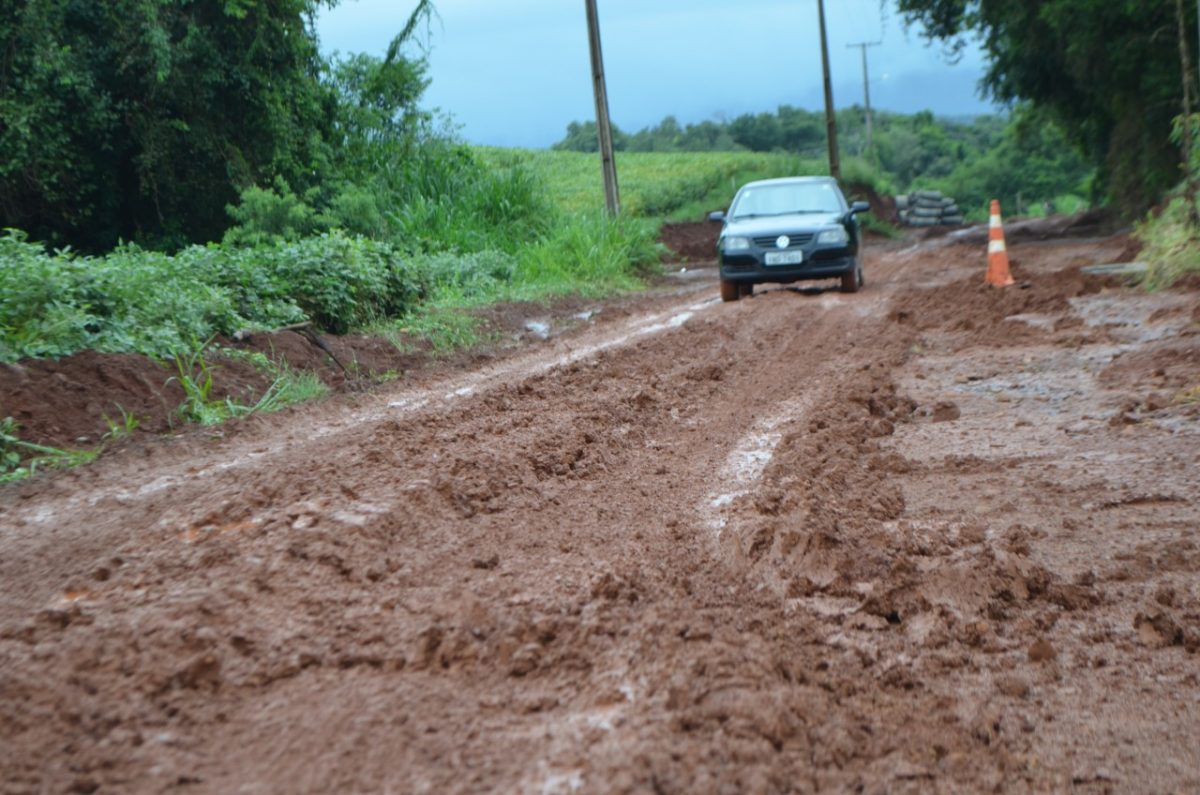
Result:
[
  {"x": 740, "y": 267},
  {"x": 797, "y": 240}
]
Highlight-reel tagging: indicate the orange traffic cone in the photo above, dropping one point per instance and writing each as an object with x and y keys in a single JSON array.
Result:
[{"x": 998, "y": 274}]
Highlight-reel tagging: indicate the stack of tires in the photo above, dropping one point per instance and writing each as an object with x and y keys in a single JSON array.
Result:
[{"x": 928, "y": 208}]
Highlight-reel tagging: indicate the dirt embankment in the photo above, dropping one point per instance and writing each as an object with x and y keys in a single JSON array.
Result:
[
  {"x": 692, "y": 241},
  {"x": 74, "y": 401},
  {"x": 928, "y": 537}
]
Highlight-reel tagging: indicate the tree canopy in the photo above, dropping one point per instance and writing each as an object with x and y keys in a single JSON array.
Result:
[
  {"x": 142, "y": 119},
  {"x": 1108, "y": 71}
]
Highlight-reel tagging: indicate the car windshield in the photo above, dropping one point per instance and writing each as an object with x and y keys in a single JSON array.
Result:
[{"x": 788, "y": 198}]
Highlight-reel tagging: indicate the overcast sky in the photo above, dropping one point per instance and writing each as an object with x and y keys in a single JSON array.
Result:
[{"x": 515, "y": 72}]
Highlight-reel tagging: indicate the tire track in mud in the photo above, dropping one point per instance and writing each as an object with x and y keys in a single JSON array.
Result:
[
  {"x": 520, "y": 587},
  {"x": 332, "y": 530},
  {"x": 178, "y": 480}
]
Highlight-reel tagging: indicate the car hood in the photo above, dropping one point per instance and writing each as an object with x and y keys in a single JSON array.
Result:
[{"x": 781, "y": 224}]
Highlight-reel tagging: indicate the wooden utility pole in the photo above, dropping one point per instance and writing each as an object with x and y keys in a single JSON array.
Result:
[
  {"x": 835, "y": 166},
  {"x": 612, "y": 193},
  {"x": 863, "y": 45}
]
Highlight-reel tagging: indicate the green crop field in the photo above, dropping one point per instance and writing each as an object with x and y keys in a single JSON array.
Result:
[{"x": 666, "y": 185}]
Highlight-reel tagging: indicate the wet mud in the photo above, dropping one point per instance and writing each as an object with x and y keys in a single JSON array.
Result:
[{"x": 928, "y": 537}]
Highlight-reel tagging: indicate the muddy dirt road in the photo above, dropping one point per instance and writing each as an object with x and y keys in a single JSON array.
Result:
[{"x": 929, "y": 537}]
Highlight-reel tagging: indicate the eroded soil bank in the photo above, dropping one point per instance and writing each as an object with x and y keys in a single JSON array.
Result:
[{"x": 929, "y": 537}]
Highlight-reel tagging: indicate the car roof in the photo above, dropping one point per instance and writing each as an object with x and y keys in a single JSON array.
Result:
[{"x": 789, "y": 181}]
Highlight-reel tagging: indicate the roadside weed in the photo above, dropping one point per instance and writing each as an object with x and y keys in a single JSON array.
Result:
[
  {"x": 120, "y": 430},
  {"x": 195, "y": 377},
  {"x": 444, "y": 329},
  {"x": 20, "y": 459}
]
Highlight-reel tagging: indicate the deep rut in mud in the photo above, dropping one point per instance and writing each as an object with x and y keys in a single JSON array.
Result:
[{"x": 803, "y": 542}]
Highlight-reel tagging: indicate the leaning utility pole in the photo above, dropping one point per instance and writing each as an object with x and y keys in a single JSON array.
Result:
[
  {"x": 835, "y": 167},
  {"x": 612, "y": 194},
  {"x": 863, "y": 45}
]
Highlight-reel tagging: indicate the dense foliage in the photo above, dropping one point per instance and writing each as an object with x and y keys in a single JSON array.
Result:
[
  {"x": 1108, "y": 71},
  {"x": 142, "y": 119},
  {"x": 336, "y": 199},
  {"x": 1023, "y": 159},
  {"x": 159, "y": 304}
]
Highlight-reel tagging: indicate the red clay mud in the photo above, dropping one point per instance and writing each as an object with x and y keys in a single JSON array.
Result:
[{"x": 883, "y": 542}]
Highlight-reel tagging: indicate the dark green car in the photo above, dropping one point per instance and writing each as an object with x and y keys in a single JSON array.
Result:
[{"x": 789, "y": 230}]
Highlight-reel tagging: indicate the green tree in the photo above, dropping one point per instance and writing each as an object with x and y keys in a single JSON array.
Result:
[
  {"x": 802, "y": 132},
  {"x": 583, "y": 137},
  {"x": 757, "y": 132},
  {"x": 142, "y": 119},
  {"x": 1031, "y": 159},
  {"x": 1106, "y": 70}
]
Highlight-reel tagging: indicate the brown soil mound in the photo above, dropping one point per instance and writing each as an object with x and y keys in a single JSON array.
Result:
[
  {"x": 882, "y": 207},
  {"x": 71, "y": 402},
  {"x": 692, "y": 241},
  {"x": 970, "y": 305}
]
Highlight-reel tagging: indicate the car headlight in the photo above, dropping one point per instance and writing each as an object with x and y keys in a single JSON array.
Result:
[
  {"x": 735, "y": 244},
  {"x": 833, "y": 236}
]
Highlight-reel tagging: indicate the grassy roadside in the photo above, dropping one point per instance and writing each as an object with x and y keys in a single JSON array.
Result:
[
  {"x": 1171, "y": 245},
  {"x": 420, "y": 284}
]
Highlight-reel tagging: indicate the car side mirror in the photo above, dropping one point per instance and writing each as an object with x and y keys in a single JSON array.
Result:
[
  {"x": 718, "y": 217},
  {"x": 860, "y": 207}
]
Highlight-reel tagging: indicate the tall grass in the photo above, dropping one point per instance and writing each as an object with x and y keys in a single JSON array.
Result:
[{"x": 1171, "y": 245}]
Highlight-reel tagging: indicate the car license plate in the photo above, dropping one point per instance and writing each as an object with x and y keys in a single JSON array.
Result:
[{"x": 785, "y": 257}]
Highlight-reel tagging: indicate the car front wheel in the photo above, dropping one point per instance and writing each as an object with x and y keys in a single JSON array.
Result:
[
  {"x": 852, "y": 281},
  {"x": 730, "y": 291}
]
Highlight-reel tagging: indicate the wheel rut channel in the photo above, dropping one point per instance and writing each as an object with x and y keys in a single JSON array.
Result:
[{"x": 671, "y": 554}]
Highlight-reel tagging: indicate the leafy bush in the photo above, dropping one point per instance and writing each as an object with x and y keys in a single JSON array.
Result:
[
  {"x": 55, "y": 304},
  {"x": 480, "y": 275},
  {"x": 52, "y": 305},
  {"x": 356, "y": 210},
  {"x": 264, "y": 216}
]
